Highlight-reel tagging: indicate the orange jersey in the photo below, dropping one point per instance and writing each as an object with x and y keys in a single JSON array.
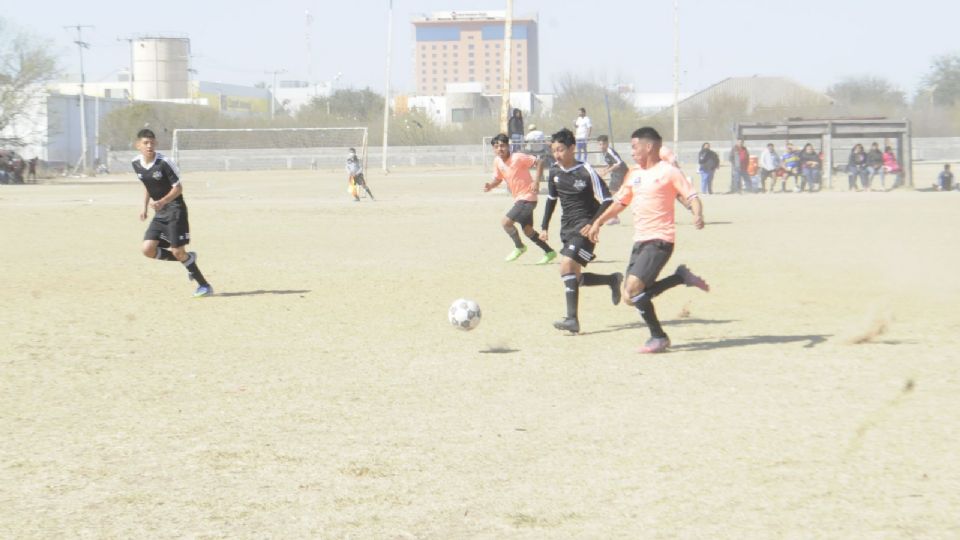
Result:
[
  {"x": 652, "y": 194},
  {"x": 516, "y": 172}
]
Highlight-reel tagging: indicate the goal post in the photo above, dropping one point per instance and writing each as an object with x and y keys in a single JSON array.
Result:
[{"x": 267, "y": 148}]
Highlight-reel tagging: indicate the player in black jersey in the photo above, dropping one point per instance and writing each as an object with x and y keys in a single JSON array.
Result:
[
  {"x": 169, "y": 231},
  {"x": 583, "y": 197},
  {"x": 616, "y": 169}
]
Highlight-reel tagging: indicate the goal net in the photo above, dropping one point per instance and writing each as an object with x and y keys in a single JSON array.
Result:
[{"x": 267, "y": 148}]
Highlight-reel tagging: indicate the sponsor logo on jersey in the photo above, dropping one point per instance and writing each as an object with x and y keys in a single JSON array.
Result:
[
  {"x": 157, "y": 175},
  {"x": 579, "y": 184}
]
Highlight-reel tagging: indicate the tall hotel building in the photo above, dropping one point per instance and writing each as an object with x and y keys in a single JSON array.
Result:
[{"x": 467, "y": 46}]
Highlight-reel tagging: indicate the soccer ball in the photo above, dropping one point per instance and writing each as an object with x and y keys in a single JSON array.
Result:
[{"x": 464, "y": 314}]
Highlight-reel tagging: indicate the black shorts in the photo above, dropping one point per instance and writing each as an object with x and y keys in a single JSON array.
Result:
[
  {"x": 522, "y": 212},
  {"x": 764, "y": 174},
  {"x": 170, "y": 225},
  {"x": 577, "y": 247},
  {"x": 647, "y": 260}
]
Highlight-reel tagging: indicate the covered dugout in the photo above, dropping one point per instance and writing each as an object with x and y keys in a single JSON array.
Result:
[{"x": 840, "y": 128}]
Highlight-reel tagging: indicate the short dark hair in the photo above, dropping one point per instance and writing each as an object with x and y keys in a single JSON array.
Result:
[
  {"x": 584, "y": 111},
  {"x": 500, "y": 138},
  {"x": 146, "y": 134},
  {"x": 603, "y": 138},
  {"x": 647, "y": 133},
  {"x": 564, "y": 137}
]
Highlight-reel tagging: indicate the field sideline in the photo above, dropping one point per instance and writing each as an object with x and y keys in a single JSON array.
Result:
[{"x": 322, "y": 394}]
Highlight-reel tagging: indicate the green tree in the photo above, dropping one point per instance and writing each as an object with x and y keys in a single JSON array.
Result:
[
  {"x": 25, "y": 65},
  {"x": 942, "y": 82},
  {"x": 867, "y": 94},
  {"x": 574, "y": 92}
]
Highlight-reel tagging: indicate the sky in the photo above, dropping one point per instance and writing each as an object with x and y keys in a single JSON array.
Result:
[{"x": 815, "y": 42}]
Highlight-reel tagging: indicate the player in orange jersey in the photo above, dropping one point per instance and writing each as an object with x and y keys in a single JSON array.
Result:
[
  {"x": 651, "y": 189},
  {"x": 514, "y": 167}
]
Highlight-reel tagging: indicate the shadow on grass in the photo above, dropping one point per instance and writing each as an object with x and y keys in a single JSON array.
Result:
[
  {"x": 641, "y": 324},
  {"x": 811, "y": 341},
  {"x": 260, "y": 292},
  {"x": 499, "y": 350}
]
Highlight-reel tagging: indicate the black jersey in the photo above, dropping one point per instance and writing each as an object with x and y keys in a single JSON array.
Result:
[
  {"x": 612, "y": 158},
  {"x": 159, "y": 177},
  {"x": 583, "y": 196}
]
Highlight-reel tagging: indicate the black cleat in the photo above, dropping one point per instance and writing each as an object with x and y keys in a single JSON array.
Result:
[{"x": 570, "y": 324}]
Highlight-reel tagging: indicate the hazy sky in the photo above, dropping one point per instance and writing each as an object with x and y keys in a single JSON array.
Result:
[{"x": 816, "y": 42}]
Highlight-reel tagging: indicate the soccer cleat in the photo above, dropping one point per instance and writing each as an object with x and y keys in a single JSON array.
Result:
[
  {"x": 203, "y": 290},
  {"x": 547, "y": 257},
  {"x": 570, "y": 324},
  {"x": 616, "y": 288},
  {"x": 516, "y": 253},
  {"x": 692, "y": 280},
  {"x": 655, "y": 345}
]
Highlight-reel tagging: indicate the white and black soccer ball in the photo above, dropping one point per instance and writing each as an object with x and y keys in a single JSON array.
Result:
[{"x": 464, "y": 314}]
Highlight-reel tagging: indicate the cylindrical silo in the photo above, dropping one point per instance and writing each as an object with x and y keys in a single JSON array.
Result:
[{"x": 160, "y": 68}]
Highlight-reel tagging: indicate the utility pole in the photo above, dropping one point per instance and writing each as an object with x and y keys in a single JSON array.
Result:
[
  {"x": 309, "y": 49},
  {"x": 676, "y": 78},
  {"x": 129, "y": 41},
  {"x": 386, "y": 93},
  {"x": 273, "y": 90},
  {"x": 507, "y": 64},
  {"x": 81, "y": 45}
]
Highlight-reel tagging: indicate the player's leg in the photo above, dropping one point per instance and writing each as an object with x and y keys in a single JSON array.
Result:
[
  {"x": 179, "y": 233},
  {"x": 509, "y": 224},
  {"x": 581, "y": 250},
  {"x": 570, "y": 276},
  {"x": 363, "y": 183},
  {"x": 155, "y": 244},
  {"x": 646, "y": 261},
  {"x": 524, "y": 217}
]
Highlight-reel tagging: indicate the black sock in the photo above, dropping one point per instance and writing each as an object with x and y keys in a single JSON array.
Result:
[
  {"x": 589, "y": 279},
  {"x": 191, "y": 266},
  {"x": 515, "y": 236},
  {"x": 645, "y": 307},
  {"x": 535, "y": 238},
  {"x": 164, "y": 255},
  {"x": 664, "y": 284},
  {"x": 571, "y": 287}
]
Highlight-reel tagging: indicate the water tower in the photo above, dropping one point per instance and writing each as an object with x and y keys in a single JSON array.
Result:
[{"x": 160, "y": 67}]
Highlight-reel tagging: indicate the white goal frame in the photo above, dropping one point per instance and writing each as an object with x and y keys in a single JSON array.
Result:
[{"x": 361, "y": 145}]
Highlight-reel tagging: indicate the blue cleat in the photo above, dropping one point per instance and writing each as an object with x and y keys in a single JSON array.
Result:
[{"x": 203, "y": 290}]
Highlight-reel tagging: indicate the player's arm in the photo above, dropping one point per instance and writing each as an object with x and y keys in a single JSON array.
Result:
[
  {"x": 548, "y": 209},
  {"x": 492, "y": 184},
  {"x": 146, "y": 204},
  {"x": 174, "y": 192},
  {"x": 688, "y": 197},
  {"x": 612, "y": 210},
  {"x": 540, "y": 164}
]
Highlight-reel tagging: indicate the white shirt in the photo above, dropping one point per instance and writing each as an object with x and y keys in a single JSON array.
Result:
[{"x": 583, "y": 127}]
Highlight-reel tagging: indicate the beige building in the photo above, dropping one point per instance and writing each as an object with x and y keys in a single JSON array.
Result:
[{"x": 467, "y": 46}]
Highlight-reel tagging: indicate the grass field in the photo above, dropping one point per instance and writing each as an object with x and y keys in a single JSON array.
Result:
[{"x": 322, "y": 394}]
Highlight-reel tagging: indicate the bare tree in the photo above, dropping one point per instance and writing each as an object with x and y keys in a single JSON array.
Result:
[
  {"x": 868, "y": 95},
  {"x": 25, "y": 65}
]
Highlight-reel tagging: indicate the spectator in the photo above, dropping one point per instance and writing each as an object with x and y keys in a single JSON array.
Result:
[
  {"x": 891, "y": 166},
  {"x": 945, "y": 179},
  {"x": 769, "y": 165},
  {"x": 810, "y": 164},
  {"x": 857, "y": 168},
  {"x": 739, "y": 161},
  {"x": 17, "y": 167},
  {"x": 536, "y": 142},
  {"x": 583, "y": 128},
  {"x": 515, "y": 130},
  {"x": 874, "y": 165},
  {"x": 709, "y": 163},
  {"x": 32, "y": 169},
  {"x": 790, "y": 161}
]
